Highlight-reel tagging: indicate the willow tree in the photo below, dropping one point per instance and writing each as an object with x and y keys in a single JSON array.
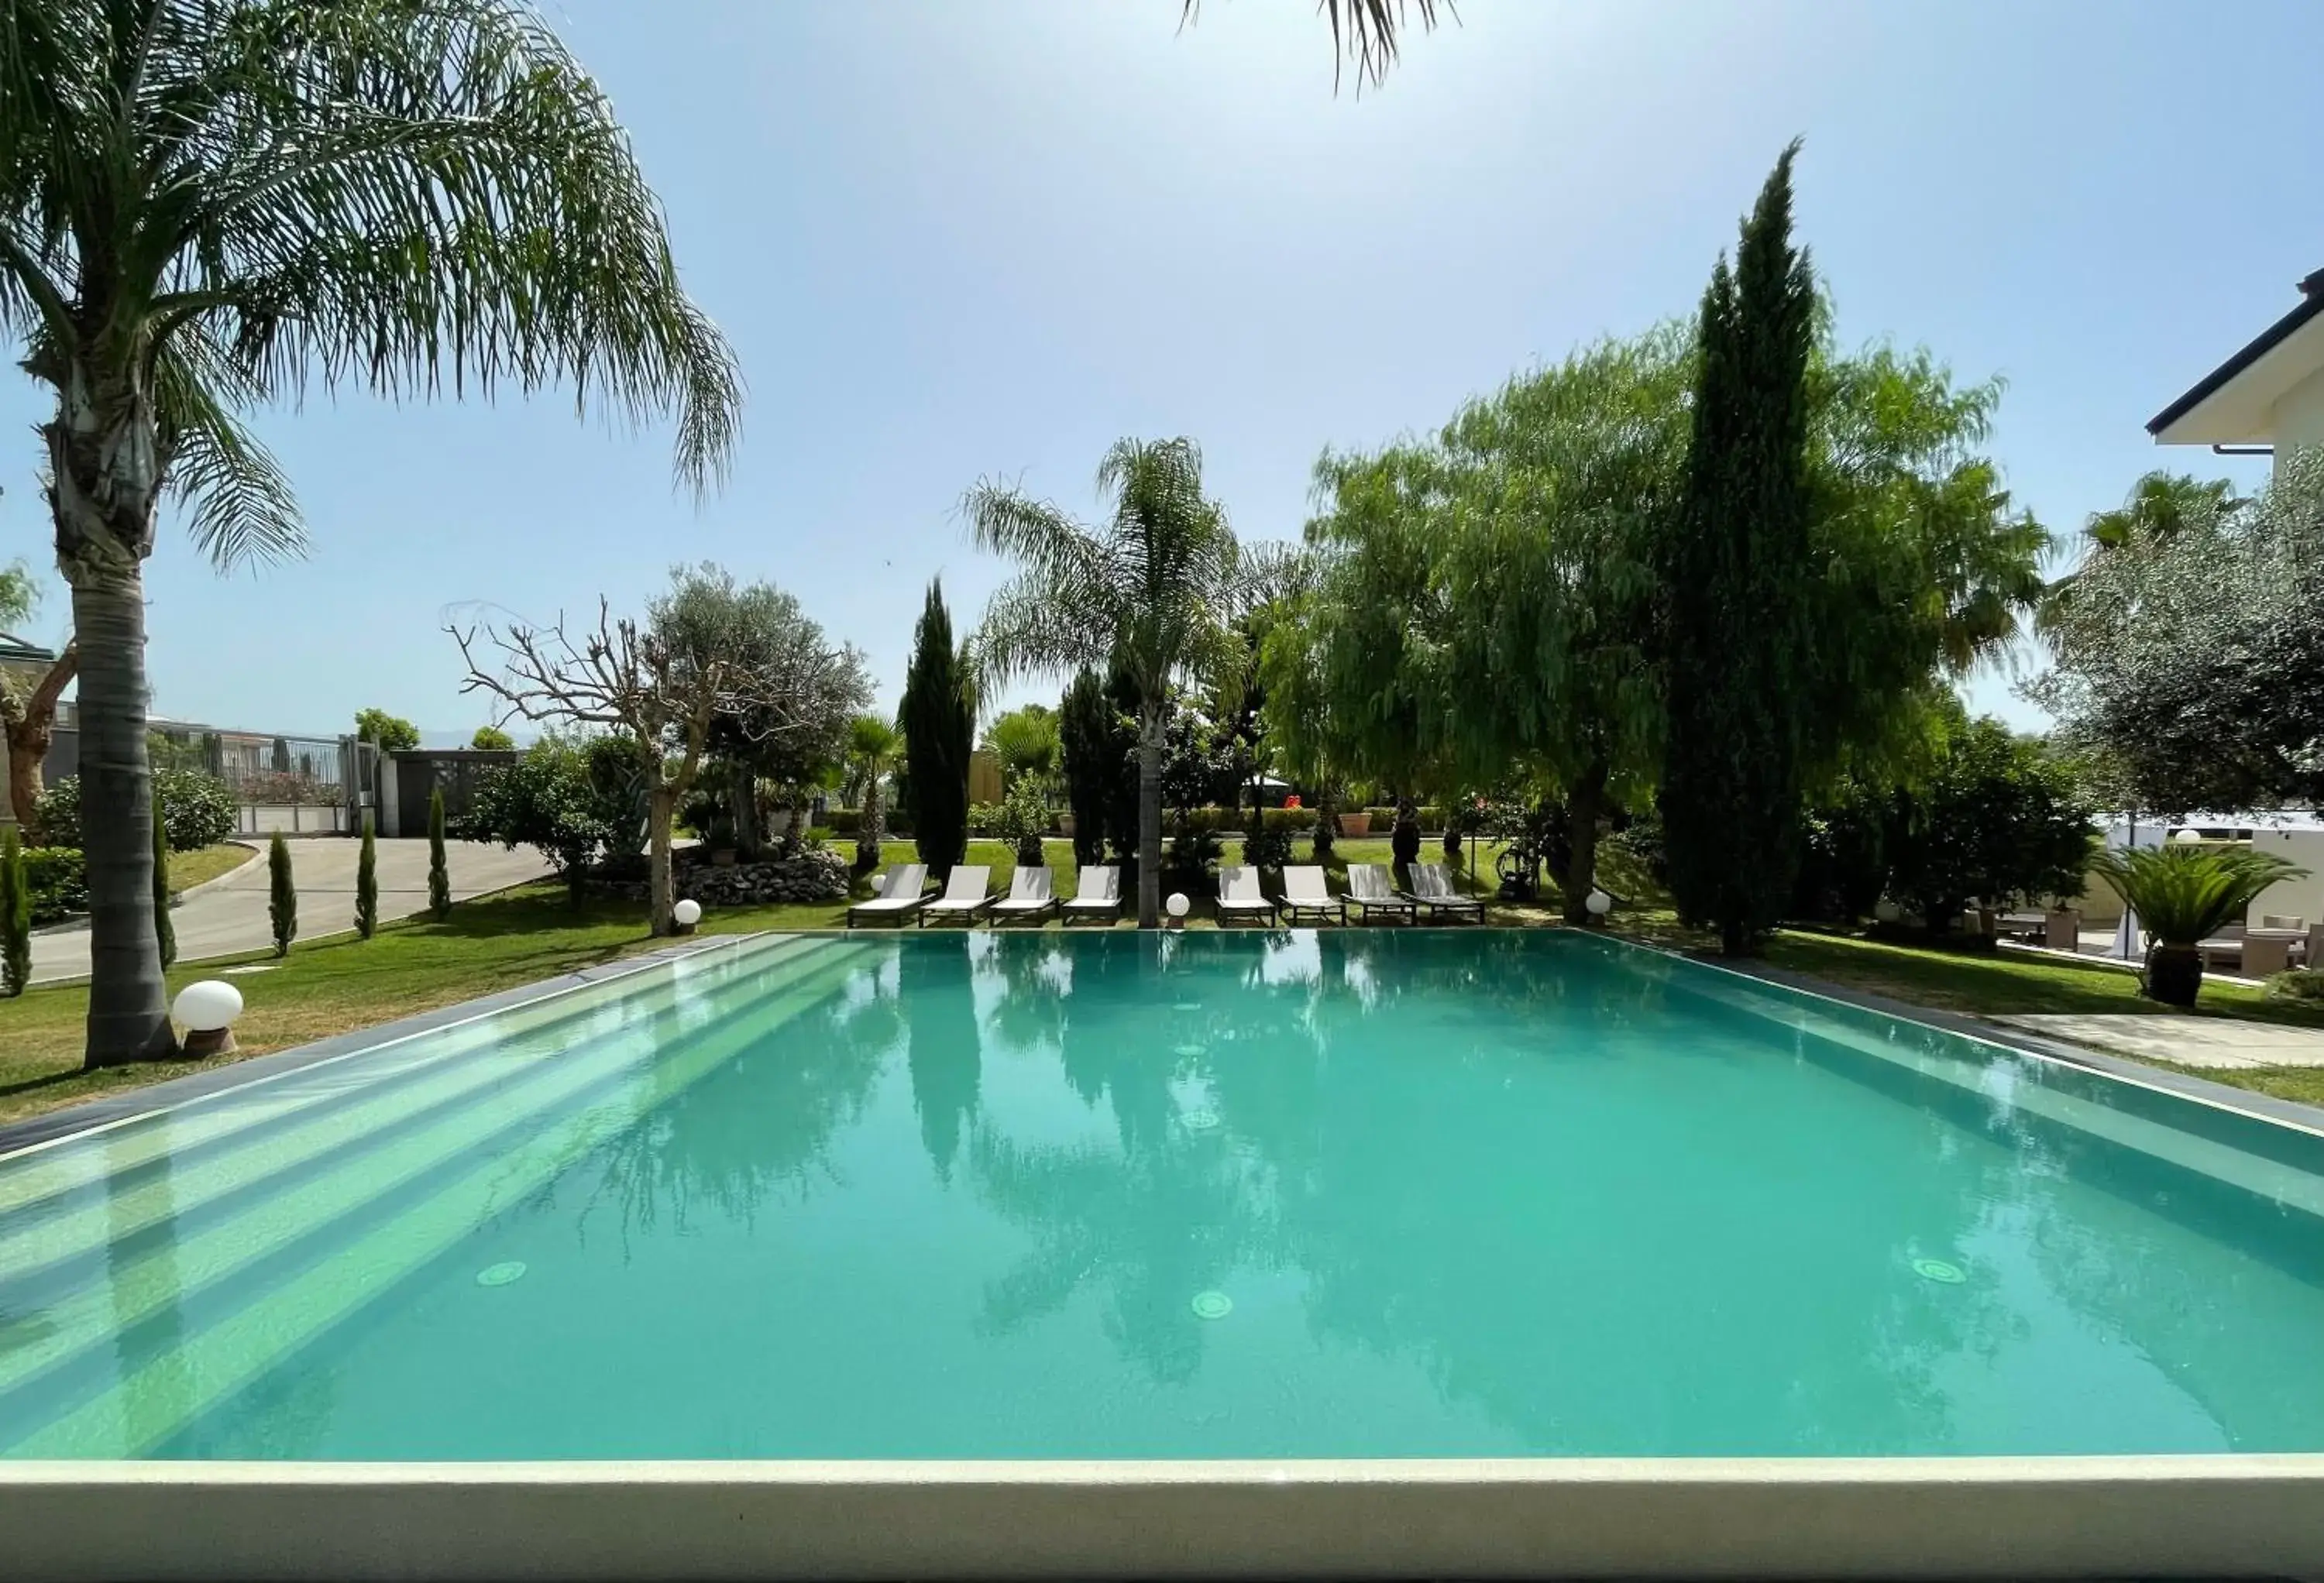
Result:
[
  {"x": 1486, "y": 606},
  {"x": 1155, "y": 592},
  {"x": 210, "y": 205}
]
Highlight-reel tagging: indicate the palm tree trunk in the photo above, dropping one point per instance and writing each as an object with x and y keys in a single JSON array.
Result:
[
  {"x": 128, "y": 1002},
  {"x": 661, "y": 807},
  {"x": 1583, "y": 805},
  {"x": 1150, "y": 818}
]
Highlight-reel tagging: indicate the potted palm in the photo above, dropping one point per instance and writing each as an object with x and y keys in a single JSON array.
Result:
[{"x": 2183, "y": 896}]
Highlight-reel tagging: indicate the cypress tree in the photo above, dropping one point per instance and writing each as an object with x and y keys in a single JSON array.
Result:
[
  {"x": 1735, "y": 571},
  {"x": 939, "y": 721},
  {"x": 163, "y": 931},
  {"x": 368, "y": 883},
  {"x": 281, "y": 895},
  {"x": 15, "y": 916},
  {"x": 439, "y": 871}
]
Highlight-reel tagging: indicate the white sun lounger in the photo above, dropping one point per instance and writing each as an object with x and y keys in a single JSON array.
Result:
[
  {"x": 1239, "y": 895},
  {"x": 1370, "y": 892},
  {"x": 1432, "y": 889},
  {"x": 967, "y": 893},
  {"x": 1306, "y": 893},
  {"x": 1097, "y": 894},
  {"x": 1031, "y": 895},
  {"x": 898, "y": 897}
]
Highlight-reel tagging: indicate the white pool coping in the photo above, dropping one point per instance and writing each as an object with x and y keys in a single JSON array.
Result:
[{"x": 2226, "y": 1517}]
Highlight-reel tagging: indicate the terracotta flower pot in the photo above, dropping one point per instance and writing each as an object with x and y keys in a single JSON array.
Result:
[{"x": 1354, "y": 825}]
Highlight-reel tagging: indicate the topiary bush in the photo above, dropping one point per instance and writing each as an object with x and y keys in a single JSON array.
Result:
[
  {"x": 197, "y": 810},
  {"x": 15, "y": 916}
]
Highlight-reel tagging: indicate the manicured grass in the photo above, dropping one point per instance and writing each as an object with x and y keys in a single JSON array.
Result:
[{"x": 188, "y": 870}]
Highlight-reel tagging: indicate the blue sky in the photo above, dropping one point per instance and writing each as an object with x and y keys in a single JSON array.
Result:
[{"x": 951, "y": 240}]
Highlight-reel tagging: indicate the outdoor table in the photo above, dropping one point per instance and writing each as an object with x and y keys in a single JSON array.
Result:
[{"x": 2269, "y": 951}]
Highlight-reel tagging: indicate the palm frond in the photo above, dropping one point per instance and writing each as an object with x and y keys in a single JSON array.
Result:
[
  {"x": 405, "y": 196},
  {"x": 1365, "y": 32},
  {"x": 240, "y": 508}
]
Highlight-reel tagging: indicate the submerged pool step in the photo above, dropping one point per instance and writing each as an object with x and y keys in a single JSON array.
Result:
[
  {"x": 64, "y": 1226},
  {"x": 72, "y": 1165},
  {"x": 169, "y": 1392},
  {"x": 147, "y": 1282}
]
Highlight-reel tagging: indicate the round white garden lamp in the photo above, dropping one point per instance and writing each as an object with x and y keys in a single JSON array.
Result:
[
  {"x": 1598, "y": 903},
  {"x": 2188, "y": 837},
  {"x": 1177, "y": 906},
  {"x": 1887, "y": 911},
  {"x": 686, "y": 914},
  {"x": 207, "y": 1010}
]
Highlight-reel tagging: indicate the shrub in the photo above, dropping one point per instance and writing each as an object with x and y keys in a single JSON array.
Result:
[
  {"x": 439, "y": 871},
  {"x": 843, "y": 821},
  {"x": 2184, "y": 895},
  {"x": 983, "y": 821},
  {"x": 1191, "y": 861},
  {"x": 368, "y": 883},
  {"x": 1267, "y": 848},
  {"x": 491, "y": 739},
  {"x": 197, "y": 810},
  {"x": 57, "y": 883},
  {"x": 1021, "y": 820},
  {"x": 553, "y": 800},
  {"x": 2299, "y": 984},
  {"x": 281, "y": 895},
  {"x": 164, "y": 935},
  {"x": 15, "y": 916},
  {"x": 1403, "y": 839},
  {"x": 1288, "y": 821}
]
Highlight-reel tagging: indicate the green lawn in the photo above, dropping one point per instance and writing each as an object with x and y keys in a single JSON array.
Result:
[
  {"x": 518, "y": 937},
  {"x": 188, "y": 870}
]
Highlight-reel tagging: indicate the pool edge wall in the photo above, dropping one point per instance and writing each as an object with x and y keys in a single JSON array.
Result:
[{"x": 1905, "y": 1517}]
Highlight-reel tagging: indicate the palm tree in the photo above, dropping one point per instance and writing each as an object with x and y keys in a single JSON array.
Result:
[
  {"x": 1157, "y": 591},
  {"x": 1363, "y": 30},
  {"x": 2161, "y": 506},
  {"x": 205, "y": 205},
  {"x": 873, "y": 746}
]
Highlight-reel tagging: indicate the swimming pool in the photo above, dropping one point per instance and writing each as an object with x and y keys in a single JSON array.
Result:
[{"x": 1337, "y": 1195}]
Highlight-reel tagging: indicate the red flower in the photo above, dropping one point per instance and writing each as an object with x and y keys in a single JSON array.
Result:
[{"x": 1292, "y": 801}]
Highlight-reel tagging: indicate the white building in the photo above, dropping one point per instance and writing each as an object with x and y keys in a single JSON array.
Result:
[{"x": 2270, "y": 394}]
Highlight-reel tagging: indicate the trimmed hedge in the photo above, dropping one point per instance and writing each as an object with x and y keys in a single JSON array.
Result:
[{"x": 1433, "y": 817}]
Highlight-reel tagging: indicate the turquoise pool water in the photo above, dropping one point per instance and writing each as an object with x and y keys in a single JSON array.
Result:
[{"x": 1350, "y": 1194}]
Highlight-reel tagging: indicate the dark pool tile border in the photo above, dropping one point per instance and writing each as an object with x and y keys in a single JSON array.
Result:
[
  {"x": 89, "y": 1114},
  {"x": 2250, "y": 1101}
]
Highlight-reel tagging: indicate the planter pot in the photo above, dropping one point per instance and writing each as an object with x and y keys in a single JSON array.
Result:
[
  {"x": 2173, "y": 974},
  {"x": 2061, "y": 929},
  {"x": 1065, "y": 825},
  {"x": 1355, "y": 824}
]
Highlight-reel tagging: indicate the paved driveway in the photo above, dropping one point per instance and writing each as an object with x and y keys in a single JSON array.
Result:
[{"x": 230, "y": 916}]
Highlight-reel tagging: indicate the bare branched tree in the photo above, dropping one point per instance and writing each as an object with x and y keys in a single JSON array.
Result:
[{"x": 708, "y": 654}]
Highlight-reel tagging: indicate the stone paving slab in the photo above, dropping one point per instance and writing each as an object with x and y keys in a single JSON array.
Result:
[{"x": 2190, "y": 1041}]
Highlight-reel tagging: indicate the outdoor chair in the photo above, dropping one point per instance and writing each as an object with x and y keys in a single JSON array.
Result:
[
  {"x": 897, "y": 897},
  {"x": 1031, "y": 895},
  {"x": 1370, "y": 890},
  {"x": 1240, "y": 896},
  {"x": 1097, "y": 894},
  {"x": 1432, "y": 890},
  {"x": 967, "y": 893},
  {"x": 1307, "y": 896}
]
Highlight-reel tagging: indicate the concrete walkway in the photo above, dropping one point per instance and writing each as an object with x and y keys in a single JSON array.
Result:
[
  {"x": 2213, "y": 1042},
  {"x": 229, "y": 916}
]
